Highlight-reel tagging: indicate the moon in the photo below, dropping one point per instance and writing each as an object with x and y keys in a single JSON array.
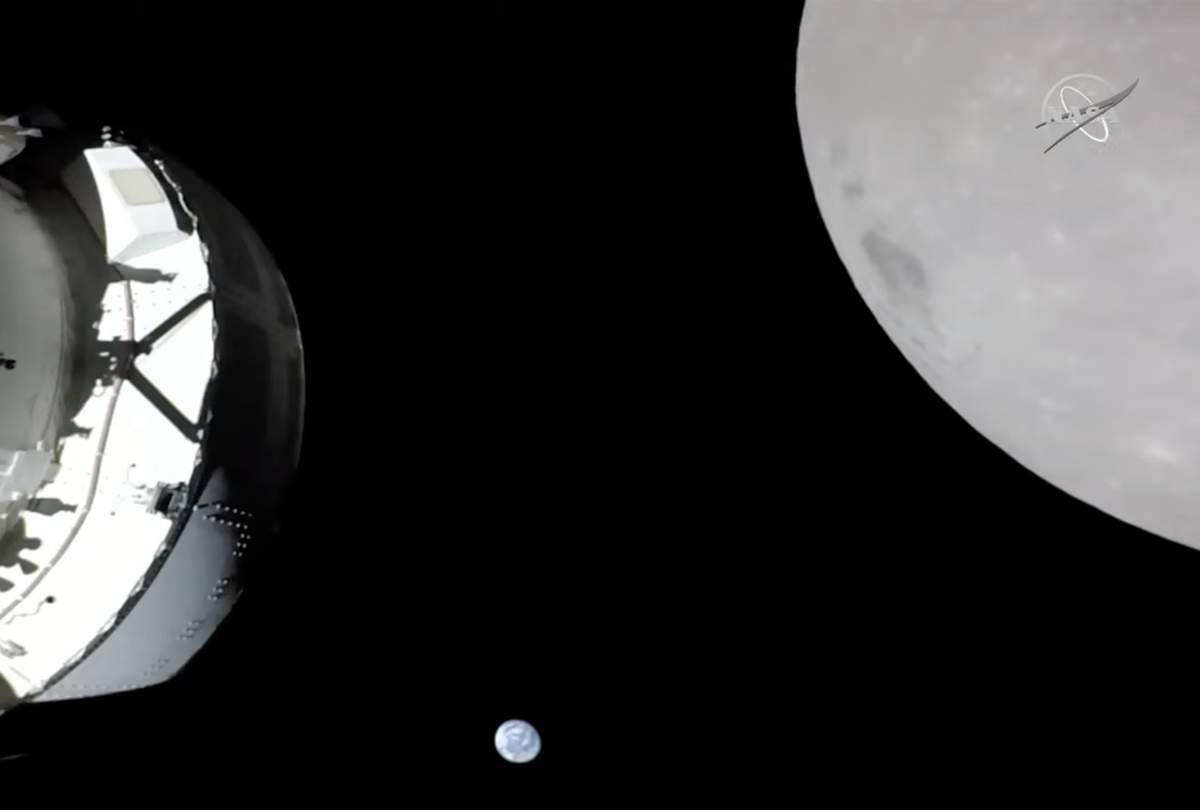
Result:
[
  {"x": 518, "y": 741},
  {"x": 1053, "y": 300}
]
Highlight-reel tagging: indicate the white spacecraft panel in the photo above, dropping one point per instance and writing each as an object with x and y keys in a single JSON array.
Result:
[{"x": 124, "y": 202}]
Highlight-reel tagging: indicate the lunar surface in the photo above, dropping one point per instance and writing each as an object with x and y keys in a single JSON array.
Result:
[{"x": 1053, "y": 300}]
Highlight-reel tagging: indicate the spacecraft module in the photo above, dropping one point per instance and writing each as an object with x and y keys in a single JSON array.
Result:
[{"x": 151, "y": 410}]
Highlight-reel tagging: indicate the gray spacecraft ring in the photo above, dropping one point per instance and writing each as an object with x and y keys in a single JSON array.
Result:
[{"x": 168, "y": 456}]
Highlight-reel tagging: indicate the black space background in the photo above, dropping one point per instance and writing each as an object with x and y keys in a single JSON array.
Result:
[{"x": 651, "y": 476}]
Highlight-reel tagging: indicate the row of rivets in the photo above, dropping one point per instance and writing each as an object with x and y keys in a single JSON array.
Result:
[
  {"x": 219, "y": 589},
  {"x": 190, "y": 631}
]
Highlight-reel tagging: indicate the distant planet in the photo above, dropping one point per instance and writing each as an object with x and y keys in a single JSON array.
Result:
[
  {"x": 1053, "y": 300},
  {"x": 518, "y": 741}
]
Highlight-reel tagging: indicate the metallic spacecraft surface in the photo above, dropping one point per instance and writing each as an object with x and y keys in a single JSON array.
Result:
[{"x": 151, "y": 410}]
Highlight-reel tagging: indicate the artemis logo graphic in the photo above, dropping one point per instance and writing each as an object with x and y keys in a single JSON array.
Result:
[{"x": 1093, "y": 116}]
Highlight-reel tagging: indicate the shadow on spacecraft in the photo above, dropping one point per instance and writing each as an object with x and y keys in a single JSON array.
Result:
[{"x": 151, "y": 410}]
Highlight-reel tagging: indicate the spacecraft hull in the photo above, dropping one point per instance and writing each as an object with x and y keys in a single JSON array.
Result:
[{"x": 149, "y": 425}]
